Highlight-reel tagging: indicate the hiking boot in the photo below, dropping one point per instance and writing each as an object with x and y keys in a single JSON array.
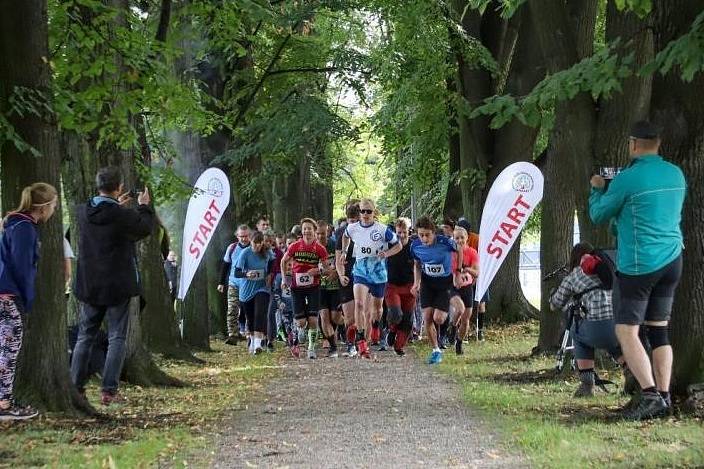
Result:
[
  {"x": 108, "y": 397},
  {"x": 18, "y": 412},
  {"x": 435, "y": 358},
  {"x": 586, "y": 386},
  {"x": 650, "y": 405},
  {"x": 231, "y": 340},
  {"x": 391, "y": 338},
  {"x": 458, "y": 347}
]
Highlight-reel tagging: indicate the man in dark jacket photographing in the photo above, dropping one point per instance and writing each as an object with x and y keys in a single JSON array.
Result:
[{"x": 107, "y": 276}]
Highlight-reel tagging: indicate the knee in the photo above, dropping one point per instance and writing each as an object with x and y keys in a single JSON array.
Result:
[{"x": 658, "y": 336}]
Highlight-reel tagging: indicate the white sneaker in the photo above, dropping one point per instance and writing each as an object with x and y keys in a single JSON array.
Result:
[
  {"x": 311, "y": 354},
  {"x": 351, "y": 351}
]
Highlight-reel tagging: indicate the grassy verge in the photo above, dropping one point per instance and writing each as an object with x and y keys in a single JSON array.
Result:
[
  {"x": 538, "y": 416},
  {"x": 158, "y": 426}
]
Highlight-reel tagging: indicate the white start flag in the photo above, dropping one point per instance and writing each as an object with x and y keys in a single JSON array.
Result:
[
  {"x": 512, "y": 198},
  {"x": 209, "y": 200}
]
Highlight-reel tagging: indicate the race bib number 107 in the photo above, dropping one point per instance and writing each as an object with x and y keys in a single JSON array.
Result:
[{"x": 434, "y": 270}]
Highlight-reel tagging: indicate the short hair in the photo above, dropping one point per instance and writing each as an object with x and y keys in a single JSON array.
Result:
[
  {"x": 403, "y": 222},
  {"x": 263, "y": 218},
  {"x": 426, "y": 223},
  {"x": 578, "y": 250},
  {"x": 449, "y": 222},
  {"x": 308, "y": 220},
  {"x": 292, "y": 236},
  {"x": 320, "y": 224},
  {"x": 352, "y": 211},
  {"x": 280, "y": 235},
  {"x": 108, "y": 179},
  {"x": 243, "y": 228}
]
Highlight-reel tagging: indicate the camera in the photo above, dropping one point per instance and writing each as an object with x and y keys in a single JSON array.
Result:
[
  {"x": 607, "y": 172},
  {"x": 133, "y": 193}
]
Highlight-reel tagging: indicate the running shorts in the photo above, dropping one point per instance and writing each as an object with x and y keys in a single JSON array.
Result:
[
  {"x": 329, "y": 299},
  {"x": 435, "y": 292},
  {"x": 375, "y": 289},
  {"x": 648, "y": 297},
  {"x": 306, "y": 302},
  {"x": 466, "y": 294}
]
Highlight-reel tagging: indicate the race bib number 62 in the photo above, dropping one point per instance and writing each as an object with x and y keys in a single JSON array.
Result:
[{"x": 304, "y": 279}]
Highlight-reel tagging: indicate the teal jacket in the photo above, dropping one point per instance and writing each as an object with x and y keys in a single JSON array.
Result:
[{"x": 645, "y": 202}]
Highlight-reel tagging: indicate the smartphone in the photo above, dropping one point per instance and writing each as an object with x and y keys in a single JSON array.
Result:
[{"x": 607, "y": 172}]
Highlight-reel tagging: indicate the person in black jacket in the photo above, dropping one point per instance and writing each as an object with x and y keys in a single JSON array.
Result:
[{"x": 107, "y": 276}]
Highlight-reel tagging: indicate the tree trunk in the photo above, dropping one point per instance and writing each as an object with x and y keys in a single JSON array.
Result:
[
  {"x": 565, "y": 37},
  {"x": 42, "y": 374},
  {"x": 676, "y": 106},
  {"x": 515, "y": 142}
]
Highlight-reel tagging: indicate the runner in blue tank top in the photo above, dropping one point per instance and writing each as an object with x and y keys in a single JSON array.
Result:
[{"x": 433, "y": 278}]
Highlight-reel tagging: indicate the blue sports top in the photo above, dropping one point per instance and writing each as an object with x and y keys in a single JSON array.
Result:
[
  {"x": 249, "y": 260},
  {"x": 232, "y": 252},
  {"x": 436, "y": 259}
]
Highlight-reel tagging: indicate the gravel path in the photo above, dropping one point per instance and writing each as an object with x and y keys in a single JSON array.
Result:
[{"x": 392, "y": 412}]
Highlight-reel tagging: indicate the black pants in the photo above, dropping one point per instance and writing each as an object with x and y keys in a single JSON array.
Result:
[{"x": 256, "y": 311}]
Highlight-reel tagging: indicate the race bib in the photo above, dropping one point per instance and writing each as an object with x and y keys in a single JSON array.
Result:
[
  {"x": 256, "y": 275},
  {"x": 361, "y": 251},
  {"x": 434, "y": 270},
  {"x": 304, "y": 279}
]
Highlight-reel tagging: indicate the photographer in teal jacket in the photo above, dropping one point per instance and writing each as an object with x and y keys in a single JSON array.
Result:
[{"x": 644, "y": 202}]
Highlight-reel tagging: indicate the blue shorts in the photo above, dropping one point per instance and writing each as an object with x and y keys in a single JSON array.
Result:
[{"x": 377, "y": 290}]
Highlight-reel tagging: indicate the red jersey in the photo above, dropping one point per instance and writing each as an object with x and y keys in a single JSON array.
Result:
[
  {"x": 470, "y": 257},
  {"x": 306, "y": 257}
]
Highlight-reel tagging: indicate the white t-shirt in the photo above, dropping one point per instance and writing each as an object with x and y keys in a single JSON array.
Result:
[{"x": 68, "y": 252}]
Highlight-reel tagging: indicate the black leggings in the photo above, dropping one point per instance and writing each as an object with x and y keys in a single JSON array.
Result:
[{"x": 256, "y": 310}]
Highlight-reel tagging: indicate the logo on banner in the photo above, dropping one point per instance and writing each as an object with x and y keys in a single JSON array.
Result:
[
  {"x": 215, "y": 187},
  {"x": 523, "y": 182}
]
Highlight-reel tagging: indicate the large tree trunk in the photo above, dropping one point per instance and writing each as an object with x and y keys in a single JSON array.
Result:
[
  {"x": 677, "y": 106},
  {"x": 565, "y": 37},
  {"x": 620, "y": 110},
  {"x": 515, "y": 142},
  {"x": 42, "y": 374}
]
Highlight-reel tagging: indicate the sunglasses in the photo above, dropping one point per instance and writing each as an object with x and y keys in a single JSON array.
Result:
[{"x": 366, "y": 211}]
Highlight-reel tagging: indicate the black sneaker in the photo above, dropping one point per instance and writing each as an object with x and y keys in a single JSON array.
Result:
[
  {"x": 231, "y": 340},
  {"x": 17, "y": 412},
  {"x": 480, "y": 335},
  {"x": 651, "y": 405},
  {"x": 458, "y": 347},
  {"x": 442, "y": 343},
  {"x": 270, "y": 346},
  {"x": 400, "y": 352}
]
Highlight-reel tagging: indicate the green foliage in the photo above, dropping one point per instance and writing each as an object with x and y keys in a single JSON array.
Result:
[
  {"x": 686, "y": 53},
  {"x": 640, "y": 7}
]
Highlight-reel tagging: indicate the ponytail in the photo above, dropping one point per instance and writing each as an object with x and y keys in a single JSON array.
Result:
[{"x": 35, "y": 195}]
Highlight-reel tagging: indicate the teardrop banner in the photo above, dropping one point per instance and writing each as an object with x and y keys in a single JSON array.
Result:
[
  {"x": 210, "y": 198},
  {"x": 512, "y": 198}
]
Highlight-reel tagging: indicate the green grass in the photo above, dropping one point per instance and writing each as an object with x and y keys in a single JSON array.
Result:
[
  {"x": 158, "y": 426},
  {"x": 538, "y": 417}
]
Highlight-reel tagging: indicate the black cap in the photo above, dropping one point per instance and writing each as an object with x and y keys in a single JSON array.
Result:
[
  {"x": 464, "y": 223},
  {"x": 645, "y": 130}
]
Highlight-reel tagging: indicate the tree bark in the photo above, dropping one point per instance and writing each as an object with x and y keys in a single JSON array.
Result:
[
  {"x": 676, "y": 106},
  {"x": 42, "y": 375},
  {"x": 566, "y": 35}
]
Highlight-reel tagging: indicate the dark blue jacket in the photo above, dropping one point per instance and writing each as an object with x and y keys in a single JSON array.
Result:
[{"x": 19, "y": 255}]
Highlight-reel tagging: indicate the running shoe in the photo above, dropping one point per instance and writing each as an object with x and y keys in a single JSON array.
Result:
[
  {"x": 363, "y": 349},
  {"x": 375, "y": 335},
  {"x": 311, "y": 354},
  {"x": 391, "y": 338},
  {"x": 231, "y": 340},
  {"x": 400, "y": 352},
  {"x": 382, "y": 344},
  {"x": 435, "y": 358},
  {"x": 458, "y": 347},
  {"x": 258, "y": 350},
  {"x": 480, "y": 335},
  {"x": 17, "y": 412},
  {"x": 442, "y": 340},
  {"x": 270, "y": 347},
  {"x": 296, "y": 351},
  {"x": 332, "y": 353},
  {"x": 649, "y": 406},
  {"x": 351, "y": 351}
]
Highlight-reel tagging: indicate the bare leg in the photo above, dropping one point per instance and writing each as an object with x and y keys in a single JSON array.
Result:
[
  {"x": 635, "y": 355},
  {"x": 430, "y": 329}
]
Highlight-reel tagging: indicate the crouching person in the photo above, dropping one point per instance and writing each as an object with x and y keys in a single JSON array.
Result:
[
  {"x": 587, "y": 290},
  {"x": 107, "y": 276}
]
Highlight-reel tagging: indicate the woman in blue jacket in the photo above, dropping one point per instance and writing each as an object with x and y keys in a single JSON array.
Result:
[{"x": 19, "y": 254}]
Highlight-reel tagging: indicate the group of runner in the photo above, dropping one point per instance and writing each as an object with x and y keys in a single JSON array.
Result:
[{"x": 360, "y": 283}]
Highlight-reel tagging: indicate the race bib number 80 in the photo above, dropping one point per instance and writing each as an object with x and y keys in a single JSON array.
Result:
[
  {"x": 361, "y": 251},
  {"x": 434, "y": 270},
  {"x": 304, "y": 279}
]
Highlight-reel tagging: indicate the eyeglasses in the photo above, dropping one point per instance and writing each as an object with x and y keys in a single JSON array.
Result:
[{"x": 366, "y": 211}]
